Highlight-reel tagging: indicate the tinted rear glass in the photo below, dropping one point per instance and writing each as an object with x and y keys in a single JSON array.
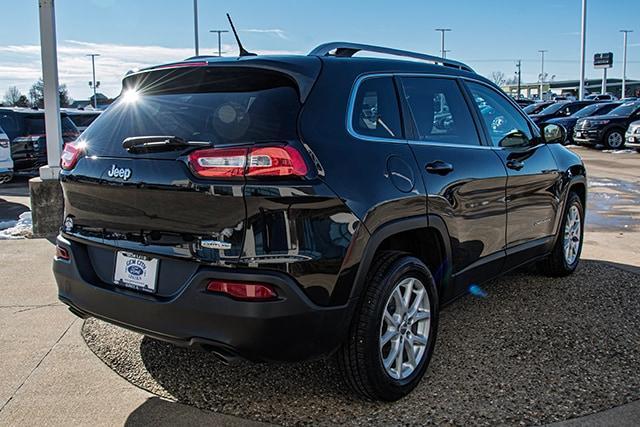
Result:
[
  {"x": 20, "y": 124},
  {"x": 34, "y": 125},
  {"x": 219, "y": 105}
]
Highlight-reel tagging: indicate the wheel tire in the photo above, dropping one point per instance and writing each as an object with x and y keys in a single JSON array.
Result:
[
  {"x": 360, "y": 358},
  {"x": 556, "y": 264},
  {"x": 614, "y": 135}
]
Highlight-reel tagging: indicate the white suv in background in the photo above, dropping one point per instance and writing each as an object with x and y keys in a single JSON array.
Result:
[
  {"x": 633, "y": 136},
  {"x": 6, "y": 164}
]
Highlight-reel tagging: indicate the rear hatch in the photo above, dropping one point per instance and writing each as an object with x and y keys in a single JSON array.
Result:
[{"x": 162, "y": 195}]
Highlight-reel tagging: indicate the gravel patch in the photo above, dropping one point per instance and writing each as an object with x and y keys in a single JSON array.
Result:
[{"x": 535, "y": 350}]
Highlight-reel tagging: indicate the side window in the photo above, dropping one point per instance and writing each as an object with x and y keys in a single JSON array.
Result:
[
  {"x": 439, "y": 110},
  {"x": 375, "y": 110},
  {"x": 506, "y": 126},
  {"x": 574, "y": 108}
]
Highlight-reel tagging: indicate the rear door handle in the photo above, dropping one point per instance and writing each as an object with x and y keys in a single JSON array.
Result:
[
  {"x": 439, "y": 167},
  {"x": 515, "y": 164}
]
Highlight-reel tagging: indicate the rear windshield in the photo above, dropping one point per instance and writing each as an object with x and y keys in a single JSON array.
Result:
[
  {"x": 218, "y": 105},
  {"x": 20, "y": 124}
]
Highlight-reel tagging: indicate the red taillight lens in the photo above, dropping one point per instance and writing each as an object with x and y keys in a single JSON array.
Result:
[
  {"x": 62, "y": 253},
  {"x": 242, "y": 290},
  {"x": 255, "y": 161},
  {"x": 276, "y": 161},
  {"x": 70, "y": 155}
]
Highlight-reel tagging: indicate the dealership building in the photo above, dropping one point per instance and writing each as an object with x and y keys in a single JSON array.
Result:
[{"x": 571, "y": 87}]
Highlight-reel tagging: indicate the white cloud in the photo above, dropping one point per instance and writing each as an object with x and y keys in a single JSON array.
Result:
[
  {"x": 274, "y": 31},
  {"x": 20, "y": 64}
]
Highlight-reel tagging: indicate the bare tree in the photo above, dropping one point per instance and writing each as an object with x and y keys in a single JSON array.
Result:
[
  {"x": 36, "y": 94},
  {"x": 12, "y": 96},
  {"x": 498, "y": 78}
]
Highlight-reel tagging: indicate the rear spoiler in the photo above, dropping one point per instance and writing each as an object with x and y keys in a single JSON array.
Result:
[{"x": 302, "y": 70}]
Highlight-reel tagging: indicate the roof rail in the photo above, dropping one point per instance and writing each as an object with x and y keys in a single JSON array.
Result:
[{"x": 347, "y": 49}]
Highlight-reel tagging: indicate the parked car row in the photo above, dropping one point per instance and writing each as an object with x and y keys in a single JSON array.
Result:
[
  {"x": 592, "y": 121},
  {"x": 23, "y": 143}
]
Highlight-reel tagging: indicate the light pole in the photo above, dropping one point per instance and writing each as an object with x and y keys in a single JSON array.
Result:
[
  {"x": 519, "y": 73},
  {"x": 583, "y": 45},
  {"x": 443, "y": 52},
  {"x": 219, "y": 39},
  {"x": 624, "y": 63},
  {"x": 542, "y": 52},
  {"x": 195, "y": 26},
  {"x": 94, "y": 85}
]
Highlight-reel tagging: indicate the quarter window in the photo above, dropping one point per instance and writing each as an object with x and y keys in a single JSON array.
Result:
[
  {"x": 439, "y": 111},
  {"x": 506, "y": 126},
  {"x": 376, "y": 111}
]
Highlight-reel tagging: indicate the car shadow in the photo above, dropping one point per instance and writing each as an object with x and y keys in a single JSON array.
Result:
[
  {"x": 160, "y": 412},
  {"x": 531, "y": 349}
]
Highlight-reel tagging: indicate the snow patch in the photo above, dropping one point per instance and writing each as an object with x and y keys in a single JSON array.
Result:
[
  {"x": 624, "y": 151},
  {"x": 20, "y": 229}
]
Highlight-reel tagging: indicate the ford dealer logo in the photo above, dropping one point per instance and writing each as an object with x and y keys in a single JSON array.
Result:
[
  {"x": 116, "y": 172},
  {"x": 136, "y": 269}
]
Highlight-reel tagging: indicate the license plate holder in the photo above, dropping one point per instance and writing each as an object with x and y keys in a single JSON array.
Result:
[{"x": 136, "y": 271}]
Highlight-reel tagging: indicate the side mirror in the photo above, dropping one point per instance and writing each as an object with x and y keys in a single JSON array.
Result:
[{"x": 553, "y": 133}]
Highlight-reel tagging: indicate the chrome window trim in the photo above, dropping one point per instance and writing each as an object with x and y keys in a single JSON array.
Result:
[{"x": 351, "y": 108}]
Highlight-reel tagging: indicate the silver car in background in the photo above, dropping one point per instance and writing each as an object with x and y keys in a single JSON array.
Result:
[{"x": 632, "y": 136}]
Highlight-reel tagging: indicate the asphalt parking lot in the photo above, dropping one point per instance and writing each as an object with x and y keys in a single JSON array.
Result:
[{"x": 534, "y": 351}]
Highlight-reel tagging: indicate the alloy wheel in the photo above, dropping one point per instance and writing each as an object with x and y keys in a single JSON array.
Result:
[
  {"x": 572, "y": 233},
  {"x": 404, "y": 330},
  {"x": 614, "y": 140}
]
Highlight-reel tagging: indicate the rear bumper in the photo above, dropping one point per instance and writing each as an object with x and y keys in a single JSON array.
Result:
[{"x": 291, "y": 328}]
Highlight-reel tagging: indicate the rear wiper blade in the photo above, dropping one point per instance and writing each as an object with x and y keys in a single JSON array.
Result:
[{"x": 155, "y": 143}]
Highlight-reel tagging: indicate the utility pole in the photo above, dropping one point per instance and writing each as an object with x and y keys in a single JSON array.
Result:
[
  {"x": 195, "y": 26},
  {"x": 583, "y": 45},
  {"x": 94, "y": 85},
  {"x": 443, "y": 52},
  {"x": 519, "y": 74},
  {"x": 624, "y": 63},
  {"x": 219, "y": 39},
  {"x": 542, "y": 52}
]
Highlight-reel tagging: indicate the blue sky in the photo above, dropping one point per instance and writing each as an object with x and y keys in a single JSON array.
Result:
[{"x": 487, "y": 34}]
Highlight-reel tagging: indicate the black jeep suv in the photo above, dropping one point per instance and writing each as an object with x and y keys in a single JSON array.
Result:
[
  {"x": 280, "y": 208},
  {"x": 26, "y": 132},
  {"x": 608, "y": 129}
]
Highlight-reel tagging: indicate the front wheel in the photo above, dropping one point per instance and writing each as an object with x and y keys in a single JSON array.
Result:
[
  {"x": 614, "y": 139},
  {"x": 393, "y": 332},
  {"x": 565, "y": 256}
]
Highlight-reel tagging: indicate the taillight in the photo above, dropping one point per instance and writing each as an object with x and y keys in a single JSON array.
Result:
[
  {"x": 276, "y": 161},
  {"x": 70, "y": 155},
  {"x": 219, "y": 163},
  {"x": 254, "y": 161},
  {"x": 245, "y": 291}
]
